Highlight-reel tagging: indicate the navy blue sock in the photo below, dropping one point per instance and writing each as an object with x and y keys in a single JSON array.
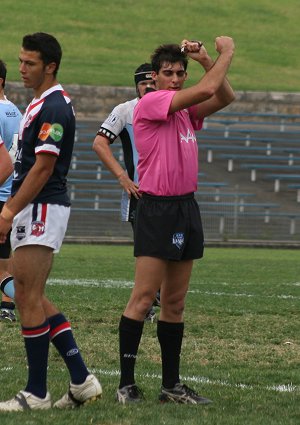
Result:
[
  {"x": 170, "y": 338},
  {"x": 62, "y": 338},
  {"x": 130, "y": 333},
  {"x": 37, "y": 348}
]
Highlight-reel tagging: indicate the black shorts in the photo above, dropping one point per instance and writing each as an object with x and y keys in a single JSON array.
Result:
[
  {"x": 168, "y": 227},
  {"x": 5, "y": 247}
]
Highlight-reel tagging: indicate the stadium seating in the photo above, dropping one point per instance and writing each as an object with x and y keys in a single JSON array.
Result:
[{"x": 231, "y": 205}]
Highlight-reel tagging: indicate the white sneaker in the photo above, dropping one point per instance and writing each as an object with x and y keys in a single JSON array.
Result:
[
  {"x": 25, "y": 401},
  {"x": 80, "y": 394}
]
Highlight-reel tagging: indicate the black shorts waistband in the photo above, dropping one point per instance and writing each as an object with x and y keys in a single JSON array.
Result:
[{"x": 169, "y": 198}]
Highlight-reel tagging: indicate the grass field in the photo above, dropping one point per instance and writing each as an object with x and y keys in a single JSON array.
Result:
[
  {"x": 104, "y": 41},
  {"x": 241, "y": 345}
]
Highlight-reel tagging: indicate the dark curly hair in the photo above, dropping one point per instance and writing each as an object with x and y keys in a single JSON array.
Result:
[{"x": 169, "y": 53}]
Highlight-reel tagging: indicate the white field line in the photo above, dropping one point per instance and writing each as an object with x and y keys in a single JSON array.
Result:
[
  {"x": 280, "y": 388},
  {"x": 123, "y": 284}
]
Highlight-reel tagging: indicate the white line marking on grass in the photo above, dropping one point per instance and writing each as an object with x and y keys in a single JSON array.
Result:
[
  {"x": 123, "y": 284},
  {"x": 234, "y": 294},
  {"x": 108, "y": 283},
  {"x": 281, "y": 388}
]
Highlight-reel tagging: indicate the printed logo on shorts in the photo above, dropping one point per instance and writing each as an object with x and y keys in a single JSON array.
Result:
[
  {"x": 37, "y": 228},
  {"x": 55, "y": 131},
  {"x": 21, "y": 233},
  {"x": 178, "y": 240}
]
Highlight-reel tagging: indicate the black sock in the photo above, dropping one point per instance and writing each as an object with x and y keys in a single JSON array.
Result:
[
  {"x": 130, "y": 333},
  {"x": 7, "y": 305},
  {"x": 170, "y": 338}
]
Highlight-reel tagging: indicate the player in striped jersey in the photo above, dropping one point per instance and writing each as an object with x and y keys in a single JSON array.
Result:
[{"x": 38, "y": 212}]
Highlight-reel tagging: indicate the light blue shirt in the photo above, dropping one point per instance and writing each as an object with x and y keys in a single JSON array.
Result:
[{"x": 10, "y": 118}]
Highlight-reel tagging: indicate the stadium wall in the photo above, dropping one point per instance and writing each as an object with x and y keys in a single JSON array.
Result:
[{"x": 95, "y": 102}]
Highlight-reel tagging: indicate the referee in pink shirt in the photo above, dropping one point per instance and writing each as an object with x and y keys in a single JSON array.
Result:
[{"x": 168, "y": 232}]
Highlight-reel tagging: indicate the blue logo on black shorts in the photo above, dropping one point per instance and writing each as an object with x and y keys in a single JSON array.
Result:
[{"x": 178, "y": 240}]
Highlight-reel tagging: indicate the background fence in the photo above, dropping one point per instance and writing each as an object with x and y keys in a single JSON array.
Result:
[{"x": 248, "y": 181}]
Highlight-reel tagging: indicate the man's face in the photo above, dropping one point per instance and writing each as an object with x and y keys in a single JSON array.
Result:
[
  {"x": 171, "y": 76},
  {"x": 32, "y": 69},
  {"x": 143, "y": 85}
]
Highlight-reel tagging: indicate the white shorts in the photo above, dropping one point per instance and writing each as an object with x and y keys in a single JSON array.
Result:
[{"x": 40, "y": 224}]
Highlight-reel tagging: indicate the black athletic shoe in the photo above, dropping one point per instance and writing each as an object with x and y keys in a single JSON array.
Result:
[
  {"x": 182, "y": 394},
  {"x": 129, "y": 394},
  {"x": 7, "y": 315}
]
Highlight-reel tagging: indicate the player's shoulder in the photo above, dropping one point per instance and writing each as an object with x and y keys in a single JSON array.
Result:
[
  {"x": 9, "y": 110},
  {"x": 126, "y": 107}
]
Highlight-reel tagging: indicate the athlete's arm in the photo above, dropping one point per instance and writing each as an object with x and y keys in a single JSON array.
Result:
[
  {"x": 223, "y": 96},
  {"x": 32, "y": 185},
  {"x": 102, "y": 148},
  {"x": 6, "y": 166},
  {"x": 213, "y": 91}
]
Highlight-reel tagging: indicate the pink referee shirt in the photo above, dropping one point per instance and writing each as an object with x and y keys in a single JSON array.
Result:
[{"x": 166, "y": 144}]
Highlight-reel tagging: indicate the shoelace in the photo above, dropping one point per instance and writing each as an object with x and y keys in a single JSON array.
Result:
[{"x": 189, "y": 391}]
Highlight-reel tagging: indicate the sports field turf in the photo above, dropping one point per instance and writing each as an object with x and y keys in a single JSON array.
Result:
[
  {"x": 241, "y": 345},
  {"x": 104, "y": 41}
]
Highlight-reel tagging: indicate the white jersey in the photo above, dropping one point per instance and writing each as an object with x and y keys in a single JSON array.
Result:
[{"x": 119, "y": 124}]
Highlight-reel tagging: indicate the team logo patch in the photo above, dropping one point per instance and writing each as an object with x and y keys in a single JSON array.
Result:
[
  {"x": 178, "y": 240},
  {"x": 37, "y": 228},
  {"x": 112, "y": 119},
  {"x": 55, "y": 131},
  {"x": 21, "y": 233},
  {"x": 190, "y": 137},
  {"x": 44, "y": 131}
]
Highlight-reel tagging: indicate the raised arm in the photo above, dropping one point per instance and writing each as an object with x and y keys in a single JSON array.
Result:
[{"x": 213, "y": 92}]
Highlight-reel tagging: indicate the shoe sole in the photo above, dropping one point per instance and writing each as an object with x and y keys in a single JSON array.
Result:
[
  {"x": 164, "y": 398},
  {"x": 92, "y": 399},
  {"x": 77, "y": 406}
]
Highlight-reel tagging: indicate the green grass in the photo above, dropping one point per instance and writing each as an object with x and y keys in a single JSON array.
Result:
[
  {"x": 241, "y": 342},
  {"x": 105, "y": 41}
]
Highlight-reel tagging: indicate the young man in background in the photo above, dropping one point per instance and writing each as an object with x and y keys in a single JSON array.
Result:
[{"x": 119, "y": 124}]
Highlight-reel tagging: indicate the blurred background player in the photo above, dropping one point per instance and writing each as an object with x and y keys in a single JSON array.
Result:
[
  {"x": 119, "y": 123},
  {"x": 10, "y": 117}
]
